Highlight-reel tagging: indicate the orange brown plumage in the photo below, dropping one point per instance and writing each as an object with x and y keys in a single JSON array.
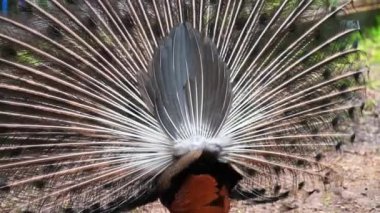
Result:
[{"x": 201, "y": 194}]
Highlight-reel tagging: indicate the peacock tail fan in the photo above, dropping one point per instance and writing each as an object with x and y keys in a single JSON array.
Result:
[{"x": 99, "y": 99}]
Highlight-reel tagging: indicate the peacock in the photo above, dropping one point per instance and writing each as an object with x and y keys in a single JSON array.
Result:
[{"x": 109, "y": 105}]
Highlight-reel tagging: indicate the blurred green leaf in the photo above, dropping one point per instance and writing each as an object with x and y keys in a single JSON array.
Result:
[
  {"x": 370, "y": 105},
  {"x": 28, "y": 58},
  {"x": 370, "y": 42}
]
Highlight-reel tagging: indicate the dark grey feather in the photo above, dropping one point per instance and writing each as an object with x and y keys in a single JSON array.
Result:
[{"x": 190, "y": 85}]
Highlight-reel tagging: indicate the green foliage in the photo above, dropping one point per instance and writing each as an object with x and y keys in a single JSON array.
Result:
[
  {"x": 373, "y": 84},
  {"x": 370, "y": 105},
  {"x": 27, "y": 57},
  {"x": 371, "y": 42}
]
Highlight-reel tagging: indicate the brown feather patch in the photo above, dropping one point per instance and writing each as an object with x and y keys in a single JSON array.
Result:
[{"x": 200, "y": 193}]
